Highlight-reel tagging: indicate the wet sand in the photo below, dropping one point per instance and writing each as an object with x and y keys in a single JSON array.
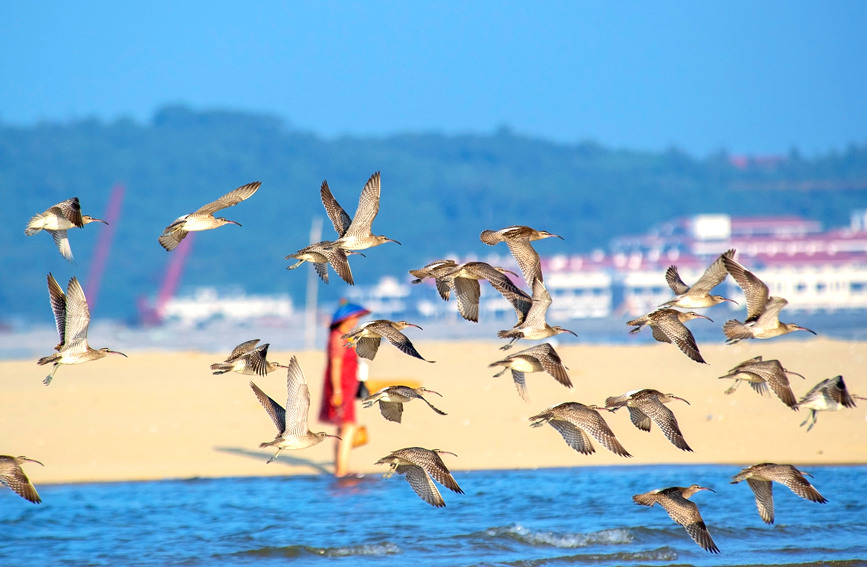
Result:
[{"x": 161, "y": 415}]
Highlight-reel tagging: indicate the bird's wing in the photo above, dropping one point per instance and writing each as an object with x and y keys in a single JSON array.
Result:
[
  {"x": 595, "y": 425},
  {"x": 538, "y": 310},
  {"x": 680, "y": 335},
  {"x": 399, "y": 340},
  {"x": 340, "y": 262},
  {"x": 69, "y": 209},
  {"x": 550, "y": 361},
  {"x": 686, "y": 513},
  {"x": 242, "y": 349},
  {"x": 421, "y": 484},
  {"x": 77, "y": 316},
  {"x": 772, "y": 310},
  {"x": 638, "y": 418},
  {"x": 433, "y": 465},
  {"x": 15, "y": 479},
  {"x": 665, "y": 420},
  {"x": 173, "y": 234},
  {"x": 275, "y": 410},
  {"x": 61, "y": 240},
  {"x": 368, "y": 207},
  {"x": 714, "y": 275},
  {"x": 297, "y": 401},
  {"x": 58, "y": 306},
  {"x": 764, "y": 491},
  {"x": 799, "y": 485},
  {"x": 520, "y": 381},
  {"x": 392, "y": 411},
  {"x": 257, "y": 360},
  {"x": 366, "y": 347},
  {"x": 527, "y": 258},
  {"x": 230, "y": 199},
  {"x": 674, "y": 282},
  {"x": 574, "y": 436},
  {"x": 755, "y": 290},
  {"x": 468, "y": 292},
  {"x": 339, "y": 218}
]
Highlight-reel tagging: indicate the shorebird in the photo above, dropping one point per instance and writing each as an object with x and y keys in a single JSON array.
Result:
[
  {"x": 828, "y": 395},
  {"x": 760, "y": 478},
  {"x": 434, "y": 270},
  {"x": 763, "y": 373},
  {"x": 574, "y": 421},
  {"x": 674, "y": 500},
  {"x": 12, "y": 475},
  {"x": 292, "y": 430},
  {"x": 248, "y": 359},
  {"x": 367, "y": 337},
  {"x": 534, "y": 326},
  {"x": 204, "y": 219},
  {"x": 699, "y": 294},
  {"x": 57, "y": 220},
  {"x": 518, "y": 239},
  {"x": 392, "y": 398},
  {"x": 763, "y": 310},
  {"x": 320, "y": 255},
  {"x": 420, "y": 466},
  {"x": 647, "y": 405},
  {"x": 537, "y": 358},
  {"x": 355, "y": 234},
  {"x": 72, "y": 318},
  {"x": 668, "y": 327},
  {"x": 464, "y": 279}
]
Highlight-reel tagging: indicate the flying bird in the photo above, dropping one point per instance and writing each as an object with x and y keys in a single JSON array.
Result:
[
  {"x": 421, "y": 467},
  {"x": 355, "y": 234},
  {"x": 518, "y": 239},
  {"x": 464, "y": 280},
  {"x": 830, "y": 394},
  {"x": 576, "y": 423},
  {"x": 534, "y": 326},
  {"x": 12, "y": 475},
  {"x": 763, "y": 373},
  {"x": 204, "y": 219},
  {"x": 57, "y": 220},
  {"x": 668, "y": 326},
  {"x": 698, "y": 295},
  {"x": 292, "y": 430},
  {"x": 321, "y": 254},
  {"x": 367, "y": 337},
  {"x": 392, "y": 398},
  {"x": 646, "y": 406},
  {"x": 538, "y": 358},
  {"x": 760, "y": 479},
  {"x": 247, "y": 358},
  {"x": 72, "y": 318},
  {"x": 763, "y": 310},
  {"x": 674, "y": 500}
]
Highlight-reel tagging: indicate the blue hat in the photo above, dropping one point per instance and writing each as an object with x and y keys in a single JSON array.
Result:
[{"x": 347, "y": 310}]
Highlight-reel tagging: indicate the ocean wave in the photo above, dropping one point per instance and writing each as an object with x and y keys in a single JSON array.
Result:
[
  {"x": 521, "y": 534},
  {"x": 291, "y": 551}
]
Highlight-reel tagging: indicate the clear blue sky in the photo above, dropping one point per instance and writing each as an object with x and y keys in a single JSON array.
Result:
[{"x": 750, "y": 77}]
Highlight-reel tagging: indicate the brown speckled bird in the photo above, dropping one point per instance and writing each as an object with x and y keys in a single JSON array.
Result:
[
  {"x": 204, "y": 219},
  {"x": 761, "y": 477},
  {"x": 57, "y": 220},
  {"x": 574, "y": 421},
  {"x": 763, "y": 310},
  {"x": 828, "y": 395},
  {"x": 648, "y": 405},
  {"x": 518, "y": 239},
  {"x": 72, "y": 317},
  {"x": 464, "y": 280},
  {"x": 698, "y": 295},
  {"x": 321, "y": 254},
  {"x": 355, "y": 234},
  {"x": 674, "y": 500},
  {"x": 419, "y": 466},
  {"x": 247, "y": 358},
  {"x": 534, "y": 326},
  {"x": 763, "y": 373},
  {"x": 367, "y": 337},
  {"x": 537, "y": 358},
  {"x": 12, "y": 475},
  {"x": 392, "y": 398},
  {"x": 668, "y": 327}
]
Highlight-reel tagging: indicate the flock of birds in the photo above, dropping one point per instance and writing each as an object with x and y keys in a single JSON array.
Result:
[{"x": 577, "y": 423}]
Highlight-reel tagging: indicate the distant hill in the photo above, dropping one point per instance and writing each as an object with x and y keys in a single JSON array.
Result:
[{"x": 438, "y": 193}]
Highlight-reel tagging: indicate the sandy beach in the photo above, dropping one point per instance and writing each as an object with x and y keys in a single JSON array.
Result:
[{"x": 164, "y": 415}]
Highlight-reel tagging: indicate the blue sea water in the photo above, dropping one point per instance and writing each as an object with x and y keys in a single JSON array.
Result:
[{"x": 573, "y": 516}]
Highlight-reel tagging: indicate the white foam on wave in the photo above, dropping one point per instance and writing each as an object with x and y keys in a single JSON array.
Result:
[
  {"x": 374, "y": 549},
  {"x": 616, "y": 536}
]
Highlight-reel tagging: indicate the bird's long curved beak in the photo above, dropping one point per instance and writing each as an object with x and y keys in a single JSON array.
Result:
[
  {"x": 573, "y": 333},
  {"x": 805, "y": 329},
  {"x": 446, "y": 452},
  {"x": 392, "y": 240},
  {"x": 732, "y": 300},
  {"x": 433, "y": 392},
  {"x": 706, "y": 488},
  {"x": 92, "y": 219},
  {"x": 681, "y": 399},
  {"x": 120, "y": 353},
  {"x": 706, "y": 317}
]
